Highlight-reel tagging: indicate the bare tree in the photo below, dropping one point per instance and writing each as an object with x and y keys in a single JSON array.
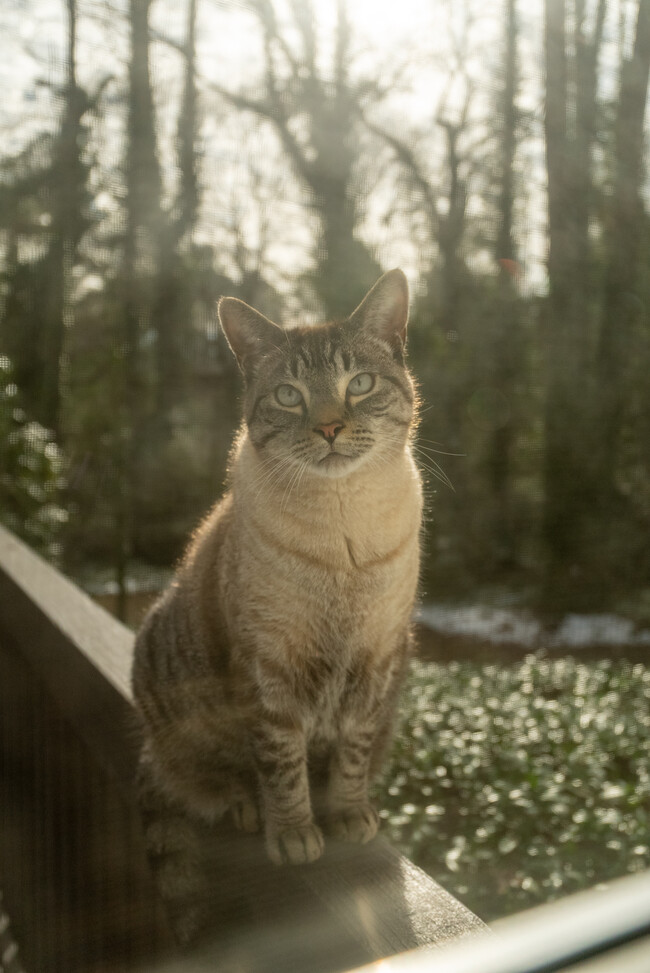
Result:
[
  {"x": 506, "y": 344},
  {"x": 144, "y": 217},
  {"x": 438, "y": 193},
  {"x": 625, "y": 227},
  {"x": 172, "y": 307},
  {"x": 188, "y": 122},
  {"x": 140, "y": 269},
  {"x": 316, "y": 120},
  {"x": 571, "y": 87},
  {"x": 467, "y": 331}
]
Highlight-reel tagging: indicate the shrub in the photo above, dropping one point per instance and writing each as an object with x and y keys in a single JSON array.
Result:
[
  {"x": 514, "y": 786},
  {"x": 31, "y": 472}
]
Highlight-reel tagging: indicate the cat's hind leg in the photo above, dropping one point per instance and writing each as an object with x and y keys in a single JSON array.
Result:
[
  {"x": 212, "y": 787},
  {"x": 200, "y": 777}
]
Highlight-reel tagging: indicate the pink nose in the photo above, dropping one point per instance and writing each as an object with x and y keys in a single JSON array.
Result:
[{"x": 329, "y": 430}]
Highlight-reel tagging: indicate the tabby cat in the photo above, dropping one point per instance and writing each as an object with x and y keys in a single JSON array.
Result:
[{"x": 267, "y": 674}]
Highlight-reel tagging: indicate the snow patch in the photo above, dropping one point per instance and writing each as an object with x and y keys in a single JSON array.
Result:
[
  {"x": 482, "y": 622},
  {"x": 510, "y": 627},
  {"x": 577, "y": 630}
]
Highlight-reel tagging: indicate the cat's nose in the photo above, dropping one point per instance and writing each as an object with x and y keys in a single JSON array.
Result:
[{"x": 329, "y": 430}]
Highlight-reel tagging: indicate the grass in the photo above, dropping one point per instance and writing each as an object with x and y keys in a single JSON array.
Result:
[{"x": 516, "y": 785}]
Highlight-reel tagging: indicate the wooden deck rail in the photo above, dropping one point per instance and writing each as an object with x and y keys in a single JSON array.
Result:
[{"x": 73, "y": 869}]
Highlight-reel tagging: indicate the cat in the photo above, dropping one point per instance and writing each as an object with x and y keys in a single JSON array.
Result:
[{"x": 266, "y": 675}]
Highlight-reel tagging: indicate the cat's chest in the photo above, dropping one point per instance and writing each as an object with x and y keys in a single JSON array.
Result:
[
  {"x": 319, "y": 618},
  {"x": 338, "y": 570},
  {"x": 357, "y": 529},
  {"x": 335, "y": 580}
]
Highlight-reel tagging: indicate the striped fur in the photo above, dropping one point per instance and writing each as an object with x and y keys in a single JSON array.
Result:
[{"x": 266, "y": 675}]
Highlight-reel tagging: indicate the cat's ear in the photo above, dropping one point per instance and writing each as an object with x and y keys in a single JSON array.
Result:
[
  {"x": 384, "y": 310},
  {"x": 249, "y": 333}
]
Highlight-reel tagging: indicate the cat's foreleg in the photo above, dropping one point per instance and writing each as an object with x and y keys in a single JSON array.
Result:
[
  {"x": 350, "y": 814},
  {"x": 280, "y": 752}
]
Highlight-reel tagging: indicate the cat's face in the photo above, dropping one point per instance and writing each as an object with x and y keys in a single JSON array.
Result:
[{"x": 327, "y": 399}]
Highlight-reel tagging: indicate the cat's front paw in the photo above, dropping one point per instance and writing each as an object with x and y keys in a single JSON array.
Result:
[
  {"x": 295, "y": 846},
  {"x": 357, "y": 823}
]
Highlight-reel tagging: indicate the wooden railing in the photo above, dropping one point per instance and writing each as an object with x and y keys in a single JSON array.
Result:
[{"x": 73, "y": 868}]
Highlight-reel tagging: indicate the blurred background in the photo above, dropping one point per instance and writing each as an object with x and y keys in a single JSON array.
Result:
[{"x": 157, "y": 154}]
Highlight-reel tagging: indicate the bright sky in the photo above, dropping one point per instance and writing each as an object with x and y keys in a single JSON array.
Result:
[{"x": 386, "y": 33}]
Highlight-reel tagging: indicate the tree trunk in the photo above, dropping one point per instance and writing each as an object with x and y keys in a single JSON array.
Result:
[
  {"x": 140, "y": 269},
  {"x": 568, "y": 462},
  {"x": 68, "y": 179},
  {"x": 624, "y": 237},
  {"x": 188, "y": 193},
  {"x": 144, "y": 217},
  {"x": 346, "y": 269},
  {"x": 173, "y": 300},
  {"x": 506, "y": 340}
]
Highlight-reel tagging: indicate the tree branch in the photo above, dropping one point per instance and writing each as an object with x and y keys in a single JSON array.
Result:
[{"x": 406, "y": 156}]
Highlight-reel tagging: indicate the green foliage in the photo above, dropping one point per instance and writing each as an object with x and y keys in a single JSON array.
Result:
[
  {"x": 31, "y": 472},
  {"x": 514, "y": 786}
]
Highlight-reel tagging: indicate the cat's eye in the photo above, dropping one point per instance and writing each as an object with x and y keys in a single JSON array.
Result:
[
  {"x": 361, "y": 384},
  {"x": 288, "y": 396}
]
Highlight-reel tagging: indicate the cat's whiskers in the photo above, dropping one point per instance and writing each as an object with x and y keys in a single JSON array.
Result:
[
  {"x": 276, "y": 472},
  {"x": 267, "y": 468},
  {"x": 430, "y": 465},
  {"x": 424, "y": 460},
  {"x": 426, "y": 451},
  {"x": 294, "y": 481},
  {"x": 304, "y": 470},
  {"x": 284, "y": 478},
  {"x": 284, "y": 502},
  {"x": 271, "y": 474},
  {"x": 434, "y": 442}
]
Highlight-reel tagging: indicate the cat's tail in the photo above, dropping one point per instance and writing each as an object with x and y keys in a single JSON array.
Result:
[{"x": 173, "y": 844}]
